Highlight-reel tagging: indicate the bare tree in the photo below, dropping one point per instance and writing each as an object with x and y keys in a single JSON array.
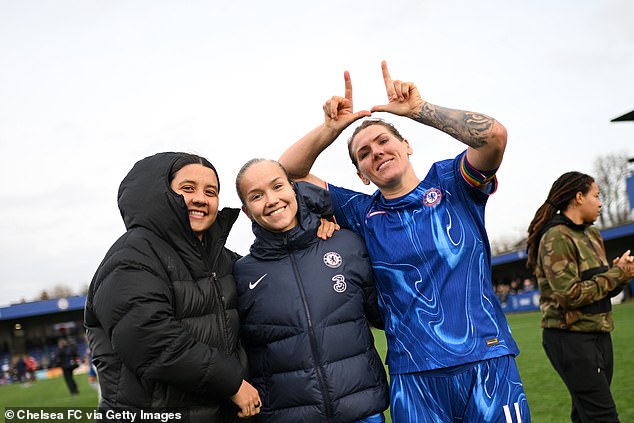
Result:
[
  {"x": 508, "y": 243},
  {"x": 610, "y": 173},
  {"x": 61, "y": 290}
]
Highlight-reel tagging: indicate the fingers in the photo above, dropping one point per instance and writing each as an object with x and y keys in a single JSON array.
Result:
[
  {"x": 250, "y": 410},
  {"x": 329, "y": 228},
  {"x": 348, "y": 86},
  {"x": 338, "y": 104},
  {"x": 381, "y": 108},
  {"x": 626, "y": 258},
  {"x": 340, "y": 107},
  {"x": 321, "y": 231},
  {"x": 626, "y": 263},
  {"x": 387, "y": 80},
  {"x": 360, "y": 114},
  {"x": 396, "y": 90},
  {"x": 326, "y": 229},
  {"x": 247, "y": 399},
  {"x": 331, "y": 107}
]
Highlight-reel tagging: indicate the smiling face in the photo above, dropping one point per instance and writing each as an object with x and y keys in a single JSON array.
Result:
[
  {"x": 268, "y": 196},
  {"x": 199, "y": 187},
  {"x": 382, "y": 158}
]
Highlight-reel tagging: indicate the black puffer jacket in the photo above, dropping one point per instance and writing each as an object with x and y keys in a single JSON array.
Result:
[
  {"x": 303, "y": 304},
  {"x": 161, "y": 314}
]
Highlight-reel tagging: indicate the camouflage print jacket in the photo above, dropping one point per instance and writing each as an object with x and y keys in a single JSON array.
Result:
[{"x": 574, "y": 277}]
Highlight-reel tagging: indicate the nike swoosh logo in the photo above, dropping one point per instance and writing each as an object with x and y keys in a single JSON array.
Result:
[{"x": 252, "y": 285}]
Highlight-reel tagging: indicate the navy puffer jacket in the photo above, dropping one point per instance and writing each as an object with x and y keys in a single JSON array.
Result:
[
  {"x": 304, "y": 307},
  {"x": 161, "y": 314}
]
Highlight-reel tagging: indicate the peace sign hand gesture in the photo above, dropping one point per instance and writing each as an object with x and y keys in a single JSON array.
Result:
[
  {"x": 403, "y": 97},
  {"x": 338, "y": 111}
]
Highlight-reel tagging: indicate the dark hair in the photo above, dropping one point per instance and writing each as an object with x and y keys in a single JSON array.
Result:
[
  {"x": 564, "y": 190},
  {"x": 246, "y": 167},
  {"x": 185, "y": 159},
  {"x": 365, "y": 124}
]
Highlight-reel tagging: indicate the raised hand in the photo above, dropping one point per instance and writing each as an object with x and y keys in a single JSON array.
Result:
[
  {"x": 626, "y": 263},
  {"x": 403, "y": 97},
  {"x": 339, "y": 112}
]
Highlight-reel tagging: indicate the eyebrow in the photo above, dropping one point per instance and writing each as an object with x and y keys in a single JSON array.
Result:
[
  {"x": 190, "y": 181},
  {"x": 272, "y": 181},
  {"x": 373, "y": 140}
]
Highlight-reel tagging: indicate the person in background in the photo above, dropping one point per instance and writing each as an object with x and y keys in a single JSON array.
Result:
[
  {"x": 528, "y": 285},
  {"x": 31, "y": 367},
  {"x": 67, "y": 358},
  {"x": 451, "y": 355},
  {"x": 576, "y": 282},
  {"x": 20, "y": 369},
  {"x": 161, "y": 312},
  {"x": 304, "y": 307}
]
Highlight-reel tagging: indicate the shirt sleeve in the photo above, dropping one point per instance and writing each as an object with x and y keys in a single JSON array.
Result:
[
  {"x": 479, "y": 192},
  {"x": 349, "y": 208}
]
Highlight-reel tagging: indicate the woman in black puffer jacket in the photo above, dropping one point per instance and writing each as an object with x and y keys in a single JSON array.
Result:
[{"x": 161, "y": 313}]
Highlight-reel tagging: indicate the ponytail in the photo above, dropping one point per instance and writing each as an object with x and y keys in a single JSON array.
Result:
[
  {"x": 563, "y": 190},
  {"x": 543, "y": 215}
]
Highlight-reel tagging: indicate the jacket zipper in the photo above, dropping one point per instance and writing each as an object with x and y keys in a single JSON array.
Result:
[
  {"x": 311, "y": 333},
  {"x": 220, "y": 315}
]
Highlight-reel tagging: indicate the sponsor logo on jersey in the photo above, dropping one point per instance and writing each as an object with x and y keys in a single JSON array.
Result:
[
  {"x": 432, "y": 196},
  {"x": 332, "y": 259},
  {"x": 340, "y": 283}
]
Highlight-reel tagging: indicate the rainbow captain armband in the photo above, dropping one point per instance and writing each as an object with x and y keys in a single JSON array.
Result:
[{"x": 474, "y": 177}]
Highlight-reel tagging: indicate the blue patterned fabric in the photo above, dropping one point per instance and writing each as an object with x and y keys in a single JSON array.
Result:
[
  {"x": 487, "y": 391},
  {"x": 432, "y": 263}
]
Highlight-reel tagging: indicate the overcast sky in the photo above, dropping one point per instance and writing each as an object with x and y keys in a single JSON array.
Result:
[{"x": 87, "y": 88}]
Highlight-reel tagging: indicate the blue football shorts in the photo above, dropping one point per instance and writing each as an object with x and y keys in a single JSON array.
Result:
[{"x": 488, "y": 391}]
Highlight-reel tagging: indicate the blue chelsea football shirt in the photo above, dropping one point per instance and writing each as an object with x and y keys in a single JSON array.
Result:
[{"x": 432, "y": 263}]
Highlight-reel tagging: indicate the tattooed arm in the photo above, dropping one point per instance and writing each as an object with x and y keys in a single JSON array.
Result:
[{"x": 484, "y": 136}]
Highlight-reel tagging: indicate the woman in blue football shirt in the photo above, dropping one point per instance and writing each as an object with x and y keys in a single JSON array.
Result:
[{"x": 450, "y": 350}]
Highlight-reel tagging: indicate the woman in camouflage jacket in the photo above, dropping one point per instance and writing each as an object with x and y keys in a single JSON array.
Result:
[{"x": 576, "y": 283}]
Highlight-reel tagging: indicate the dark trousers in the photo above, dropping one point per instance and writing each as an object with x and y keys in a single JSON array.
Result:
[
  {"x": 585, "y": 363},
  {"x": 70, "y": 381}
]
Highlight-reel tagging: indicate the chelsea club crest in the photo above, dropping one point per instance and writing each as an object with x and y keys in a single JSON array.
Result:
[
  {"x": 332, "y": 259},
  {"x": 432, "y": 196}
]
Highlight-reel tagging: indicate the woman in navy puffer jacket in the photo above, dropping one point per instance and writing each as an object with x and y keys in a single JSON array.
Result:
[{"x": 304, "y": 306}]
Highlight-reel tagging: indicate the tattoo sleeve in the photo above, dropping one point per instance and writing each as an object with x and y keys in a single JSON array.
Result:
[{"x": 471, "y": 128}]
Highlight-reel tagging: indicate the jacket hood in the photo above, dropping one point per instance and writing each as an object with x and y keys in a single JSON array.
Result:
[
  {"x": 146, "y": 200},
  {"x": 313, "y": 203}
]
